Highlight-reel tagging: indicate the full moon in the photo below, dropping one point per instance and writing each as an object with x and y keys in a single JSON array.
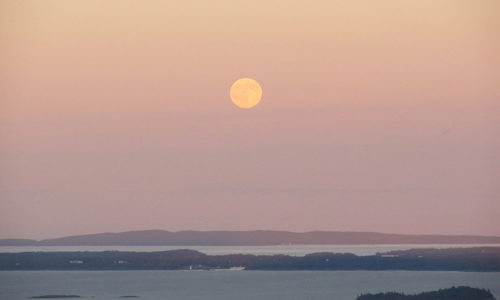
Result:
[{"x": 246, "y": 93}]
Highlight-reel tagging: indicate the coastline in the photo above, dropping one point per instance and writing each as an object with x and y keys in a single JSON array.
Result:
[{"x": 477, "y": 259}]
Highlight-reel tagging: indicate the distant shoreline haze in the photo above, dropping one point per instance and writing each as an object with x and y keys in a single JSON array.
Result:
[{"x": 248, "y": 238}]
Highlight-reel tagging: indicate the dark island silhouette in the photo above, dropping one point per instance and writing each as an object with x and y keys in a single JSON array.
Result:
[
  {"x": 480, "y": 259},
  {"x": 71, "y": 296},
  {"x": 453, "y": 293},
  {"x": 56, "y": 297},
  {"x": 248, "y": 238}
]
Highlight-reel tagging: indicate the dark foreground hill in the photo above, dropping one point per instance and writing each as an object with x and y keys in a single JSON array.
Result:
[
  {"x": 454, "y": 293},
  {"x": 482, "y": 259},
  {"x": 247, "y": 238}
]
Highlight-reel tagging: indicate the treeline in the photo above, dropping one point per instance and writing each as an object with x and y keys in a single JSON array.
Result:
[
  {"x": 465, "y": 259},
  {"x": 454, "y": 293}
]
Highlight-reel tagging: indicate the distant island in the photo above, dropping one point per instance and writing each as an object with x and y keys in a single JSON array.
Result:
[
  {"x": 56, "y": 297},
  {"x": 479, "y": 259},
  {"x": 453, "y": 293},
  {"x": 248, "y": 238}
]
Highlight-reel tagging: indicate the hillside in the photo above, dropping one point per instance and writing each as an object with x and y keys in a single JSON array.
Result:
[{"x": 247, "y": 238}]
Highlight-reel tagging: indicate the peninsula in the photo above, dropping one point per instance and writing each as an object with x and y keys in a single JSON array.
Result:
[
  {"x": 479, "y": 259},
  {"x": 453, "y": 293}
]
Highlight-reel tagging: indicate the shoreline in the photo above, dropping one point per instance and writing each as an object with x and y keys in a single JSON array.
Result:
[{"x": 477, "y": 259}]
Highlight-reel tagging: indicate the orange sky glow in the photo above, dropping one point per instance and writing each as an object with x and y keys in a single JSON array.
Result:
[{"x": 376, "y": 116}]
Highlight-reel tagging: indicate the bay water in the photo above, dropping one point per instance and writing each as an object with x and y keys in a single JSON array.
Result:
[
  {"x": 293, "y": 250},
  {"x": 226, "y": 285}
]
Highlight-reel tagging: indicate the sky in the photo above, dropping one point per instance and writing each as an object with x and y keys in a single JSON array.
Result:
[{"x": 376, "y": 116}]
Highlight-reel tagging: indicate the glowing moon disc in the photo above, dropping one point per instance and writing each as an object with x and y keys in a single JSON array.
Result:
[{"x": 246, "y": 93}]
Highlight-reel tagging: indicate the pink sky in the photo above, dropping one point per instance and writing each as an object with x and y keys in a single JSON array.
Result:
[{"x": 376, "y": 116}]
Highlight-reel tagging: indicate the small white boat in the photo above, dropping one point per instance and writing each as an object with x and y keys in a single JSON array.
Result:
[{"x": 230, "y": 269}]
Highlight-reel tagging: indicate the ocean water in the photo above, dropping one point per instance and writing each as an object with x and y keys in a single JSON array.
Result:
[
  {"x": 295, "y": 250},
  {"x": 226, "y": 285}
]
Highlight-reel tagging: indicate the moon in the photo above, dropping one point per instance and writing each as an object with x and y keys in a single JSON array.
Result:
[{"x": 246, "y": 93}]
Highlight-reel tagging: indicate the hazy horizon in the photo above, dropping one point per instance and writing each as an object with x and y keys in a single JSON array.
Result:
[
  {"x": 379, "y": 116},
  {"x": 187, "y": 230}
]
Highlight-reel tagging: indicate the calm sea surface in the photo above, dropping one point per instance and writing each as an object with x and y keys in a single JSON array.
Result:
[
  {"x": 296, "y": 250},
  {"x": 222, "y": 285}
]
